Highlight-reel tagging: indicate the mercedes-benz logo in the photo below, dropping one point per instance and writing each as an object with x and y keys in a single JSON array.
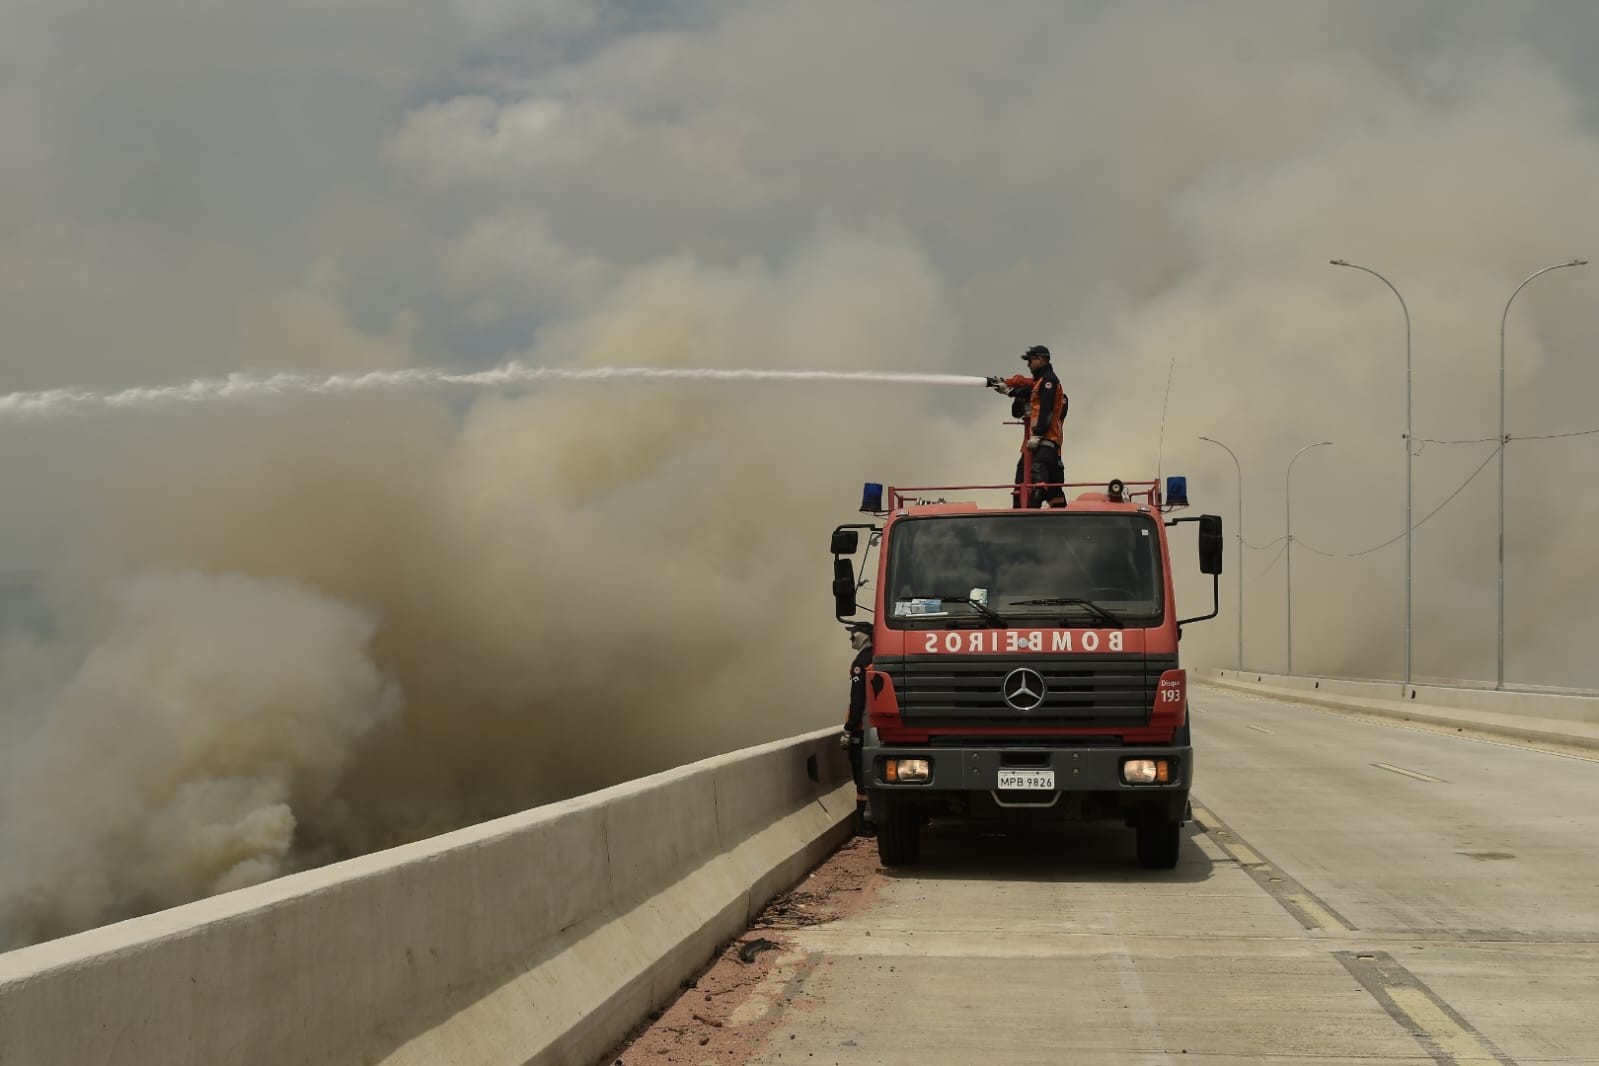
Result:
[{"x": 1023, "y": 688}]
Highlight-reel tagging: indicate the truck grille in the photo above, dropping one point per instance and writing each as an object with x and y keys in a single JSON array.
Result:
[{"x": 1079, "y": 690}]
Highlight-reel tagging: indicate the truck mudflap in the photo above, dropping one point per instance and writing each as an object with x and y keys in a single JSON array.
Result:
[{"x": 1035, "y": 776}]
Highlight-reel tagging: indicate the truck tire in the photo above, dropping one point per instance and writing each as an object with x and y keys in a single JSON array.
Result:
[
  {"x": 899, "y": 833},
  {"x": 1158, "y": 843}
]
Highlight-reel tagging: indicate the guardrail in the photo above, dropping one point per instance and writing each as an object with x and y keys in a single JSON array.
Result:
[
  {"x": 537, "y": 938},
  {"x": 1426, "y": 681},
  {"x": 1526, "y": 702},
  {"x": 1545, "y": 718}
]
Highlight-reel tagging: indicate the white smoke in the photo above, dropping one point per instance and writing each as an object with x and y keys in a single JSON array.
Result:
[
  {"x": 612, "y": 574},
  {"x": 170, "y": 765},
  {"x": 588, "y": 581}
]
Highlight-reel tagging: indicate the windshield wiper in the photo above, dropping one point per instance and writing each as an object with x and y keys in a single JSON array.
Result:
[
  {"x": 1071, "y": 601},
  {"x": 983, "y": 609},
  {"x": 987, "y": 612}
]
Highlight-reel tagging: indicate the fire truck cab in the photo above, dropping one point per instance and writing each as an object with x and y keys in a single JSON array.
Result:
[{"x": 1025, "y": 661}]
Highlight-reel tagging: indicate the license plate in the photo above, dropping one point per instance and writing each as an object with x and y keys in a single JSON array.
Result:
[{"x": 1039, "y": 779}]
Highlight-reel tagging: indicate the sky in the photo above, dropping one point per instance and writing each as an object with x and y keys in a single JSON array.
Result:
[{"x": 338, "y": 624}]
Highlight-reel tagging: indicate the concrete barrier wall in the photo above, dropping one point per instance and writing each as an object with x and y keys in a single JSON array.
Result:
[
  {"x": 1571, "y": 708},
  {"x": 537, "y": 938}
]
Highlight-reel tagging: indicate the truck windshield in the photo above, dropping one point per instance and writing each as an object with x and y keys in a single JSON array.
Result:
[{"x": 1112, "y": 560}]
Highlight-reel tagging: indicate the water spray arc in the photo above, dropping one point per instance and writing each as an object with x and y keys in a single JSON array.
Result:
[{"x": 247, "y": 387}]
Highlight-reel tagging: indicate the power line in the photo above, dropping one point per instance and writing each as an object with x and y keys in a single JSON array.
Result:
[
  {"x": 1271, "y": 565},
  {"x": 1435, "y": 510},
  {"x": 1510, "y": 437},
  {"x": 1447, "y": 500},
  {"x": 1552, "y": 436},
  {"x": 1422, "y": 442}
]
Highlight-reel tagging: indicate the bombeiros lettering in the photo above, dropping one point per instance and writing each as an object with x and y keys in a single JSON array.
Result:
[{"x": 1023, "y": 641}]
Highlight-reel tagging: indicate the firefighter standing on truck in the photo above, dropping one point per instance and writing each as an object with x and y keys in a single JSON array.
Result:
[
  {"x": 860, "y": 638},
  {"x": 1039, "y": 400}
]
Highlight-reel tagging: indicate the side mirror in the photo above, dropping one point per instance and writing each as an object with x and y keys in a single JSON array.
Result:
[
  {"x": 1210, "y": 544},
  {"x": 843, "y": 588},
  {"x": 845, "y": 541}
]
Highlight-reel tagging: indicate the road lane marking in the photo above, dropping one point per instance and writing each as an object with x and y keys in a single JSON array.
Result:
[
  {"x": 1437, "y": 1027},
  {"x": 1244, "y": 855},
  {"x": 1455, "y": 1042},
  {"x": 1260, "y": 729},
  {"x": 1314, "y": 910},
  {"x": 1306, "y": 908},
  {"x": 1413, "y": 774},
  {"x": 1136, "y": 998}
]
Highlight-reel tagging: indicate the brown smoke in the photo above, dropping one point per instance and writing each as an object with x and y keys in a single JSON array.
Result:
[
  {"x": 290, "y": 633},
  {"x": 354, "y": 623}
]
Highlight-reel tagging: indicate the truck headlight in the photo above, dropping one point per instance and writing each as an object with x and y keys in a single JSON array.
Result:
[
  {"x": 908, "y": 771},
  {"x": 1146, "y": 771}
]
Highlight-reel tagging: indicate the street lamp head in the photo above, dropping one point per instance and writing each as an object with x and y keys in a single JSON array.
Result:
[
  {"x": 1339, "y": 262},
  {"x": 1578, "y": 263},
  {"x": 1302, "y": 451}
]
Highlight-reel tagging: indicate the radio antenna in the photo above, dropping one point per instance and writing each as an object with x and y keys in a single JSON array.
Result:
[{"x": 1160, "y": 448}]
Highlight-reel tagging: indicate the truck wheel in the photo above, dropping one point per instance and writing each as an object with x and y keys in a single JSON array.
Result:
[
  {"x": 899, "y": 834},
  {"x": 1158, "y": 842}
]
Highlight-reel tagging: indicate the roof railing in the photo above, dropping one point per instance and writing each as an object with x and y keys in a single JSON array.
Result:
[{"x": 1147, "y": 492}]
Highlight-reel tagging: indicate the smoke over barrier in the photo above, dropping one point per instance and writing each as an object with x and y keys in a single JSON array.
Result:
[
  {"x": 356, "y": 624},
  {"x": 174, "y": 761}
]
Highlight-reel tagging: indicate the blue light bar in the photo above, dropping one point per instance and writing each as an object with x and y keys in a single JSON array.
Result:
[
  {"x": 1177, "y": 491},
  {"x": 872, "y": 497}
]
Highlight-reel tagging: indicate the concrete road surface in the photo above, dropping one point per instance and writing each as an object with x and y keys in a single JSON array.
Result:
[{"x": 1353, "y": 892}]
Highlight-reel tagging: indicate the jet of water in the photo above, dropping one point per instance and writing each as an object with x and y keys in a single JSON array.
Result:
[{"x": 245, "y": 387}]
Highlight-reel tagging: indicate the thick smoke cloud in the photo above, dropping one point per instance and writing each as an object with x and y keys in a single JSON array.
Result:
[
  {"x": 172, "y": 763},
  {"x": 480, "y": 609},
  {"x": 284, "y": 634}
]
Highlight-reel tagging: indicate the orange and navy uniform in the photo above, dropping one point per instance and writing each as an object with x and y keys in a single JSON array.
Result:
[{"x": 1046, "y": 402}]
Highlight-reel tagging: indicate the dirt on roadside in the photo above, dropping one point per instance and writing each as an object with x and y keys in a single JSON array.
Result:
[{"x": 725, "y": 1012}]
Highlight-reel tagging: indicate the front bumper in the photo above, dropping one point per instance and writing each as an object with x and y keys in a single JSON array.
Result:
[{"x": 1077, "y": 769}]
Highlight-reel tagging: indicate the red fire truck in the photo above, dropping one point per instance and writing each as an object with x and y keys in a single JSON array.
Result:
[{"x": 1025, "y": 660}]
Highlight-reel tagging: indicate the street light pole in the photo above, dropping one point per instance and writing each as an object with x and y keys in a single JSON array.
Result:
[
  {"x": 1238, "y": 563},
  {"x": 1409, "y": 451},
  {"x": 1504, "y": 442},
  {"x": 1288, "y": 525}
]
